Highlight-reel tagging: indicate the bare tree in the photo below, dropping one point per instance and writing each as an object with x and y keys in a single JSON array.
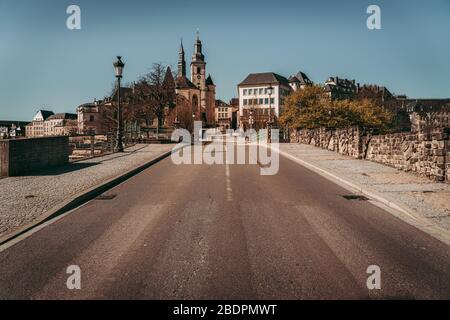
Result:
[{"x": 153, "y": 94}]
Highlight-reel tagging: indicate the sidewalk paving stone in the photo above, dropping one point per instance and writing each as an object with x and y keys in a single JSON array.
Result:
[
  {"x": 428, "y": 199},
  {"x": 23, "y": 199}
]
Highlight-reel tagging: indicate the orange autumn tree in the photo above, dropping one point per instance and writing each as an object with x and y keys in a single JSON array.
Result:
[{"x": 310, "y": 108}]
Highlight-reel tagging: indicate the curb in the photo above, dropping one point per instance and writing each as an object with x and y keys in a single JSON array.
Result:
[
  {"x": 83, "y": 197},
  {"x": 404, "y": 213}
]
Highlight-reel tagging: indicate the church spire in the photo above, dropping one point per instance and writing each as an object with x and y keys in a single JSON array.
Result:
[
  {"x": 181, "y": 62},
  {"x": 198, "y": 55}
]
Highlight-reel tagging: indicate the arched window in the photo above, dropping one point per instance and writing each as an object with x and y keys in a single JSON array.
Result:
[{"x": 194, "y": 103}]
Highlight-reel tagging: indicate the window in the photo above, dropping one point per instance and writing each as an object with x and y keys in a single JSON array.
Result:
[
  {"x": 261, "y": 101},
  {"x": 272, "y": 100},
  {"x": 261, "y": 91},
  {"x": 245, "y": 92},
  {"x": 266, "y": 101},
  {"x": 91, "y": 118},
  {"x": 245, "y": 102}
]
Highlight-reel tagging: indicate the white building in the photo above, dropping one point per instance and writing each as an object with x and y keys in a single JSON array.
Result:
[
  {"x": 36, "y": 127},
  {"x": 299, "y": 81},
  {"x": 255, "y": 98}
]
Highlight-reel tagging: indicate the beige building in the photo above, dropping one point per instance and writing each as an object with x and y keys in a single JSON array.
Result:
[
  {"x": 61, "y": 124},
  {"x": 36, "y": 127},
  {"x": 224, "y": 115},
  {"x": 90, "y": 118}
]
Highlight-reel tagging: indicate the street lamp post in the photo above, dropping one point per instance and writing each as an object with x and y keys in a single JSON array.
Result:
[
  {"x": 118, "y": 67},
  {"x": 269, "y": 122},
  {"x": 193, "y": 127},
  {"x": 176, "y": 123}
]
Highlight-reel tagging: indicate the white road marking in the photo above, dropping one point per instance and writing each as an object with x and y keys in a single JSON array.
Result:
[{"x": 229, "y": 189}]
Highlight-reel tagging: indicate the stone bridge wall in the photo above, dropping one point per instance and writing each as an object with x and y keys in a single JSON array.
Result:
[
  {"x": 24, "y": 156},
  {"x": 425, "y": 154}
]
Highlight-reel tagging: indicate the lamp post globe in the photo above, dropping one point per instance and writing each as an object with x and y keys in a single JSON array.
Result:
[{"x": 118, "y": 67}]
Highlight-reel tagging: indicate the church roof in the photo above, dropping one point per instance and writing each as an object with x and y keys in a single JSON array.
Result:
[
  {"x": 185, "y": 83},
  {"x": 209, "y": 81}
]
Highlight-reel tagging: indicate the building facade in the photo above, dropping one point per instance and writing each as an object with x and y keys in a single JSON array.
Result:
[
  {"x": 255, "y": 100},
  {"x": 200, "y": 89},
  {"x": 36, "y": 127},
  {"x": 224, "y": 115},
  {"x": 341, "y": 89},
  {"x": 61, "y": 124},
  {"x": 90, "y": 118}
]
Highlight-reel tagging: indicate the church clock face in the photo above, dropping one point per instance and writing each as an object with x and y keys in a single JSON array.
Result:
[{"x": 199, "y": 77}]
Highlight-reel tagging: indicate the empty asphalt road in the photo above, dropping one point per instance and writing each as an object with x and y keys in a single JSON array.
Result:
[{"x": 226, "y": 232}]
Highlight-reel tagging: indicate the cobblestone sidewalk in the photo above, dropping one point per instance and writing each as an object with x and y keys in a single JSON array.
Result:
[
  {"x": 23, "y": 199},
  {"x": 428, "y": 199}
]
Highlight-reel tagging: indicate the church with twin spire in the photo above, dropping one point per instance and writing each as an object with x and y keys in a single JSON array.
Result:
[{"x": 200, "y": 89}]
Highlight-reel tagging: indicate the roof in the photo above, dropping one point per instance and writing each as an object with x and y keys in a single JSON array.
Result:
[
  {"x": 341, "y": 85},
  {"x": 301, "y": 78},
  {"x": 123, "y": 92},
  {"x": 222, "y": 104},
  {"x": 431, "y": 105},
  {"x": 185, "y": 83},
  {"x": 209, "y": 81},
  {"x": 169, "y": 81},
  {"x": 264, "y": 78},
  {"x": 45, "y": 113},
  {"x": 64, "y": 116}
]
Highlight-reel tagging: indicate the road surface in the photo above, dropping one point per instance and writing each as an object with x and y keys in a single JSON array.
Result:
[{"x": 226, "y": 232}]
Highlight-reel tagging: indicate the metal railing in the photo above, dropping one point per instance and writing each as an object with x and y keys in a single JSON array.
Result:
[{"x": 89, "y": 146}]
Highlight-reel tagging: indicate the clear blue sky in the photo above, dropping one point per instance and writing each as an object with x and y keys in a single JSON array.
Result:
[{"x": 43, "y": 64}]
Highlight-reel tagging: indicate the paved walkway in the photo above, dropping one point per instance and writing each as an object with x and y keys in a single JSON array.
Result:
[
  {"x": 23, "y": 199},
  {"x": 424, "y": 197}
]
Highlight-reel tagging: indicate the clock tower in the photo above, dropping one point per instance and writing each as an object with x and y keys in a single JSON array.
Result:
[{"x": 198, "y": 70}]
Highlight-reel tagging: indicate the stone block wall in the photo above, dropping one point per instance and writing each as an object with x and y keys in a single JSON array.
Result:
[
  {"x": 23, "y": 156},
  {"x": 425, "y": 154},
  {"x": 348, "y": 142}
]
